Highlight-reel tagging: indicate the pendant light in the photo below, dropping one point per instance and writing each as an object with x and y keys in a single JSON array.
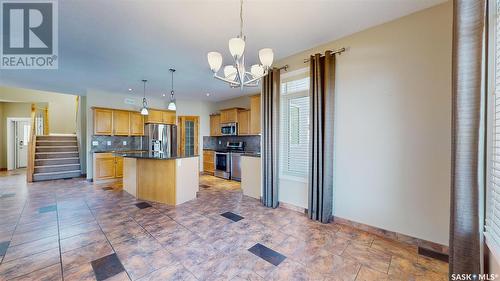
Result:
[
  {"x": 144, "y": 110},
  {"x": 172, "y": 105}
]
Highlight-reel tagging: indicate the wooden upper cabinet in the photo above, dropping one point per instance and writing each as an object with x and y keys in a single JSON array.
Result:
[
  {"x": 103, "y": 121},
  {"x": 215, "y": 125},
  {"x": 121, "y": 123},
  {"x": 136, "y": 124},
  {"x": 255, "y": 115},
  {"x": 168, "y": 117},
  {"x": 229, "y": 115},
  {"x": 160, "y": 117},
  {"x": 244, "y": 122},
  {"x": 154, "y": 116}
]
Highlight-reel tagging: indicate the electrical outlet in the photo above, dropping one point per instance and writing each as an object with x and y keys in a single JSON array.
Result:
[
  {"x": 95, "y": 143},
  {"x": 124, "y": 142},
  {"x": 108, "y": 143}
]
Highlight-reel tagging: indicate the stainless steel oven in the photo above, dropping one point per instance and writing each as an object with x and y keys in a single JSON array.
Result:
[
  {"x": 222, "y": 165},
  {"x": 229, "y": 129}
]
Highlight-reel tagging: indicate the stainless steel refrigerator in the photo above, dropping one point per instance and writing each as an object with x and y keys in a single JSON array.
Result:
[{"x": 161, "y": 138}]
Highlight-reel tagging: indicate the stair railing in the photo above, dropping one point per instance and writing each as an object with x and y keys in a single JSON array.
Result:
[{"x": 31, "y": 146}]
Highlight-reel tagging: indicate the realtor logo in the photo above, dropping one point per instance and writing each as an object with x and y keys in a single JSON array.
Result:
[{"x": 29, "y": 35}]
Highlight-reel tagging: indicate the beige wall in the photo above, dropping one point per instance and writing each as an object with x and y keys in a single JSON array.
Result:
[
  {"x": 393, "y": 124},
  {"x": 62, "y": 107}
]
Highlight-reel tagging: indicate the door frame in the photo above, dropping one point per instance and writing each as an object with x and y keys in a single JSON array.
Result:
[
  {"x": 11, "y": 158},
  {"x": 180, "y": 134}
]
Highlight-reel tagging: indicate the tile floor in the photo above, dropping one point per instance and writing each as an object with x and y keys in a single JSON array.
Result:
[{"x": 75, "y": 230}]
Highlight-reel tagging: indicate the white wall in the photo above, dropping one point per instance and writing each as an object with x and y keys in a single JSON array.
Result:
[
  {"x": 98, "y": 98},
  {"x": 392, "y": 125}
]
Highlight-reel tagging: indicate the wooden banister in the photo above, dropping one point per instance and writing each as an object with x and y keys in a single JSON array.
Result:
[{"x": 32, "y": 146}]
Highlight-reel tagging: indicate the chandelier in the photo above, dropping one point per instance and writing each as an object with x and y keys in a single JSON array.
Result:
[{"x": 236, "y": 75}]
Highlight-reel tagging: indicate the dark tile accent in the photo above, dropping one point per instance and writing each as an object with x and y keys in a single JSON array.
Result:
[
  {"x": 204, "y": 186},
  {"x": 107, "y": 267},
  {"x": 433, "y": 254},
  {"x": 143, "y": 205},
  {"x": 7, "y": 195},
  {"x": 232, "y": 216},
  {"x": 107, "y": 188},
  {"x": 3, "y": 247},
  {"x": 47, "y": 209},
  {"x": 267, "y": 254}
]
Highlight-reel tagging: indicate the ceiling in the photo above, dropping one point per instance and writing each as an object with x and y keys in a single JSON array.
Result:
[{"x": 111, "y": 45}]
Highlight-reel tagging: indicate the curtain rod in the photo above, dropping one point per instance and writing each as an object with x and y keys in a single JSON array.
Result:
[{"x": 337, "y": 51}]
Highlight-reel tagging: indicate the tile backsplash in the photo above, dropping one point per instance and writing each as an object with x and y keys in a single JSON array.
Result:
[
  {"x": 116, "y": 143},
  {"x": 252, "y": 143}
]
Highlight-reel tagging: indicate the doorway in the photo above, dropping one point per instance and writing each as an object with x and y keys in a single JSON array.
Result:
[{"x": 18, "y": 135}]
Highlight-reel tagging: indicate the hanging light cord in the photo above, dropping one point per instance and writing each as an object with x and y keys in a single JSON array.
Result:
[
  {"x": 241, "y": 19},
  {"x": 172, "y": 91}
]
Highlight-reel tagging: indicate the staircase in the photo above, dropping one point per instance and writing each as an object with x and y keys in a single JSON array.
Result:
[{"x": 56, "y": 157}]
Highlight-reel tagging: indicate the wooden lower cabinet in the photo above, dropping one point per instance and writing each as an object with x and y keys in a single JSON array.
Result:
[
  {"x": 208, "y": 162},
  {"x": 107, "y": 166},
  {"x": 118, "y": 167}
]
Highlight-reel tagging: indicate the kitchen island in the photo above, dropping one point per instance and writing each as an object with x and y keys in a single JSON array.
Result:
[{"x": 158, "y": 178}]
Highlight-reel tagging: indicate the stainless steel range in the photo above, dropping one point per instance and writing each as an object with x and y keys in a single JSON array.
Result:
[{"x": 227, "y": 162}]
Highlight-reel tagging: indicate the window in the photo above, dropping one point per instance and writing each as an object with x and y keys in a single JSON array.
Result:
[
  {"x": 493, "y": 175},
  {"x": 294, "y": 128}
]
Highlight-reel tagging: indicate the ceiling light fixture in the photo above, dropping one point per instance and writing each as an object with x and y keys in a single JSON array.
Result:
[
  {"x": 144, "y": 110},
  {"x": 172, "y": 105},
  {"x": 236, "y": 75}
]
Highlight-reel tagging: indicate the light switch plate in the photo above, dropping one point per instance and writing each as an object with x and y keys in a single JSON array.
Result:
[
  {"x": 95, "y": 143},
  {"x": 220, "y": 142},
  {"x": 108, "y": 143},
  {"x": 124, "y": 142}
]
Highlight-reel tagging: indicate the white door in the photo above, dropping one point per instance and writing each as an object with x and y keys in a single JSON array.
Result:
[{"x": 22, "y": 135}]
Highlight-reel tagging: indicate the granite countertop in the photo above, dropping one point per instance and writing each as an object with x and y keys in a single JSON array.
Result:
[
  {"x": 117, "y": 151},
  {"x": 251, "y": 154},
  {"x": 153, "y": 156}
]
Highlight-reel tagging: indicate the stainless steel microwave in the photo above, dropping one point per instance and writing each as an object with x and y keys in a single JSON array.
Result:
[{"x": 229, "y": 129}]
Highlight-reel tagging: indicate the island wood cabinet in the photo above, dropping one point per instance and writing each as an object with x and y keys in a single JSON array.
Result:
[
  {"x": 160, "y": 117},
  {"x": 114, "y": 122},
  {"x": 208, "y": 162},
  {"x": 107, "y": 166},
  {"x": 255, "y": 115},
  {"x": 215, "y": 125},
  {"x": 244, "y": 122}
]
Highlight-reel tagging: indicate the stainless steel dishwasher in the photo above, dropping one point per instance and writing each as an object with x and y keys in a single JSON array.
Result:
[{"x": 236, "y": 166}]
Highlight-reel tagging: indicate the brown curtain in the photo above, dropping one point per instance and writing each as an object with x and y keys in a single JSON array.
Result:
[
  {"x": 270, "y": 137},
  {"x": 322, "y": 94},
  {"x": 467, "y": 90}
]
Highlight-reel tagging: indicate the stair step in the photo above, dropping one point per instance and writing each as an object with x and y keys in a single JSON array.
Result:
[
  {"x": 56, "y": 168},
  {"x": 56, "y": 138},
  {"x": 57, "y": 161},
  {"x": 56, "y": 143},
  {"x": 57, "y": 175},
  {"x": 56, "y": 148},
  {"x": 53, "y": 155}
]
